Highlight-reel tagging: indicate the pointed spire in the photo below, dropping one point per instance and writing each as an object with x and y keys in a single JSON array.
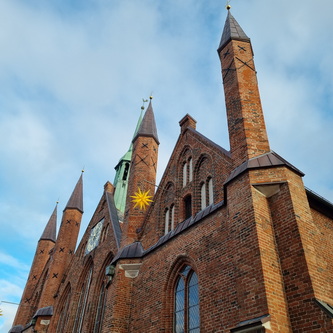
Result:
[
  {"x": 50, "y": 231},
  {"x": 232, "y": 31},
  {"x": 148, "y": 125},
  {"x": 76, "y": 199}
]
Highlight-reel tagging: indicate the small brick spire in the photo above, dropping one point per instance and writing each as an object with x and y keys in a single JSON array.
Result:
[
  {"x": 76, "y": 199},
  {"x": 148, "y": 125},
  {"x": 50, "y": 231}
]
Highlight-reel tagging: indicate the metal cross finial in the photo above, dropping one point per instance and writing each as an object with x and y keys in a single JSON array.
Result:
[{"x": 228, "y": 5}]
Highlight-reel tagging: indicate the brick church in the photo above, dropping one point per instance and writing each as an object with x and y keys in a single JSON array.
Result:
[{"x": 229, "y": 241}]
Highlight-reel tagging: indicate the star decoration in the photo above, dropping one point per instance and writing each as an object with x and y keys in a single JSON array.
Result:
[{"x": 141, "y": 199}]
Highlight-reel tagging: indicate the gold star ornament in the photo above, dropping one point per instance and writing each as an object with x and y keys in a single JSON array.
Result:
[{"x": 141, "y": 199}]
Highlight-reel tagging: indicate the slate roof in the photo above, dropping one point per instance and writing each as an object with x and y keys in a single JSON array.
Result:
[
  {"x": 47, "y": 311},
  {"x": 135, "y": 250},
  {"x": 270, "y": 159},
  {"x": 114, "y": 218},
  {"x": 76, "y": 199},
  {"x": 148, "y": 125},
  {"x": 232, "y": 31},
  {"x": 16, "y": 329},
  {"x": 50, "y": 231}
]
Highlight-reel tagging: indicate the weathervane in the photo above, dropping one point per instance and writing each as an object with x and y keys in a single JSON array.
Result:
[{"x": 143, "y": 103}]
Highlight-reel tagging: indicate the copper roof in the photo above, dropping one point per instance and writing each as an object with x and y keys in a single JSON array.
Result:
[
  {"x": 50, "y": 231},
  {"x": 232, "y": 31},
  {"x": 76, "y": 199}
]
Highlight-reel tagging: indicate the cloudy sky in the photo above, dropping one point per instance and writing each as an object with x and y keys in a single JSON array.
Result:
[{"x": 73, "y": 74}]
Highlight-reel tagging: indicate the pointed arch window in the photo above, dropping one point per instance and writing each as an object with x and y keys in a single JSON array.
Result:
[
  {"x": 184, "y": 174},
  {"x": 190, "y": 169},
  {"x": 203, "y": 196},
  {"x": 210, "y": 191},
  {"x": 188, "y": 206},
  {"x": 167, "y": 216},
  {"x": 100, "y": 310},
  {"x": 81, "y": 307},
  {"x": 169, "y": 219},
  {"x": 186, "y": 305},
  {"x": 64, "y": 315}
]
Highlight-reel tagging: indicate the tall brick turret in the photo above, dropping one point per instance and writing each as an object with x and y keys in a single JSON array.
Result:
[
  {"x": 143, "y": 173},
  {"x": 65, "y": 245},
  {"x": 247, "y": 131},
  {"x": 45, "y": 245}
]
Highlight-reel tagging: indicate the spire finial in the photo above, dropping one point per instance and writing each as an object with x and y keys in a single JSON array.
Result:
[
  {"x": 228, "y": 5},
  {"x": 151, "y": 97}
]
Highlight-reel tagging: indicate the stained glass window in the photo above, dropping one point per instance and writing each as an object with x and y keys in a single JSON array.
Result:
[{"x": 186, "y": 308}]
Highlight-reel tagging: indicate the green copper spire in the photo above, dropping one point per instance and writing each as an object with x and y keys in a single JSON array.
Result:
[{"x": 122, "y": 173}]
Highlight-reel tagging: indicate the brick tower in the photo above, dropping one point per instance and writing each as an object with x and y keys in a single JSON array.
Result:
[
  {"x": 143, "y": 173},
  {"x": 247, "y": 131},
  {"x": 268, "y": 209},
  {"x": 45, "y": 245},
  {"x": 65, "y": 245}
]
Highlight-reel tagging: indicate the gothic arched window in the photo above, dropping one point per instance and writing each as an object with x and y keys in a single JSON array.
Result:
[
  {"x": 100, "y": 310},
  {"x": 64, "y": 314},
  {"x": 210, "y": 191},
  {"x": 186, "y": 305},
  {"x": 184, "y": 174},
  {"x": 203, "y": 196},
  {"x": 81, "y": 307},
  {"x": 169, "y": 219}
]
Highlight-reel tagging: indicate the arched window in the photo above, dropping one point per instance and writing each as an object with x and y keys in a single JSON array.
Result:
[
  {"x": 64, "y": 314},
  {"x": 210, "y": 191},
  {"x": 186, "y": 305},
  {"x": 125, "y": 174},
  {"x": 190, "y": 169},
  {"x": 81, "y": 307},
  {"x": 203, "y": 196},
  {"x": 172, "y": 222},
  {"x": 188, "y": 206},
  {"x": 167, "y": 216},
  {"x": 100, "y": 310},
  {"x": 184, "y": 174},
  {"x": 169, "y": 219}
]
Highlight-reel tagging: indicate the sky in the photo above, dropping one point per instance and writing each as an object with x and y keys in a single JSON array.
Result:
[{"x": 73, "y": 75}]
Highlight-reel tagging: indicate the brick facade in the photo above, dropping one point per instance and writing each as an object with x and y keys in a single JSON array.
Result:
[{"x": 242, "y": 221}]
